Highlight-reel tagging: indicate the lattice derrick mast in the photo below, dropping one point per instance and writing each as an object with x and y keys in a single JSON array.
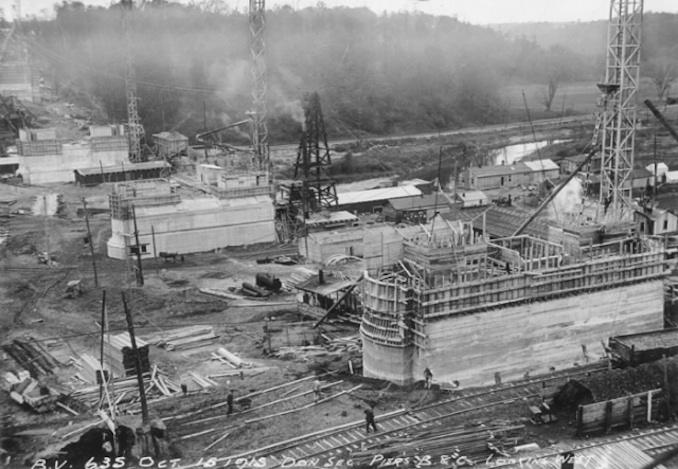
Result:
[
  {"x": 135, "y": 132},
  {"x": 313, "y": 159},
  {"x": 620, "y": 88},
  {"x": 257, "y": 22}
]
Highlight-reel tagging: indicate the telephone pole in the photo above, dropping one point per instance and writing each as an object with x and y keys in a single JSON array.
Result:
[
  {"x": 91, "y": 243},
  {"x": 140, "y": 275}
]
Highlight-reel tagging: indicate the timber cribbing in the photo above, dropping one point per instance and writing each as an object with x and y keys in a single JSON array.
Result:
[{"x": 351, "y": 437}]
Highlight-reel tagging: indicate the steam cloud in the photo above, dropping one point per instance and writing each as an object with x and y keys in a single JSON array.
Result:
[{"x": 569, "y": 199}]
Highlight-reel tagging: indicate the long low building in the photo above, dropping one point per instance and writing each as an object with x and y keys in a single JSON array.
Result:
[
  {"x": 45, "y": 158},
  {"x": 510, "y": 175},
  {"x": 121, "y": 172},
  {"x": 168, "y": 222}
]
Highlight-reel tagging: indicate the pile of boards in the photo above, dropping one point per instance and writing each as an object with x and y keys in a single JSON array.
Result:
[
  {"x": 32, "y": 356},
  {"x": 124, "y": 392},
  {"x": 341, "y": 347},
  {"x": 184, "y": 338},
  {"x": 26, "y": 390},
  {"x": 119, "y": 357}
]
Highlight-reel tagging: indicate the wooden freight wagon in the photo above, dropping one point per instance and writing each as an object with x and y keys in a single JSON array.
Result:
[{"x": 645, "y": 347}]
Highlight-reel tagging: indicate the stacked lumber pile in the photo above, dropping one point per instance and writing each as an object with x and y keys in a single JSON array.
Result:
[
  {"x": 184, "y": 338},
  {"x": 299, "y": 274},
  {"x": 466, "y": 443},
  {"x": 231, "y": 359},
  {"x": 119, "y": 356},
  {"x": 341, "y": 347},
  {"x": 31, "y": 356},
  {"x": 124, "y": 392},
  {"x": 25, "y": 390}
]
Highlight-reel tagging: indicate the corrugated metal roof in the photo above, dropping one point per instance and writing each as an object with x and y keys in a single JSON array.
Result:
[
  {"x": 500, "y": 170},
  {"x": 419, "y": 202},
  {"x": 542, "y": 165},
  {"x": 469, "y": 195},
  {"x": 127, "y": 167},
  {"x": 386, "y": 193},
  {"x": 330, "y": 285}
]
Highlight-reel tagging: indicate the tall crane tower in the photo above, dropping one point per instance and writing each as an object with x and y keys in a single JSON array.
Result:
[
  {"x": 317, "y": 191},
  {"x": 259, "y": 130},
  {"x": 619, "y": 89},
  {"x": 135, "y": 131}
]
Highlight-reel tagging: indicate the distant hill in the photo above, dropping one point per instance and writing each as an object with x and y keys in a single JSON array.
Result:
[{"x": 659, "y": 37}]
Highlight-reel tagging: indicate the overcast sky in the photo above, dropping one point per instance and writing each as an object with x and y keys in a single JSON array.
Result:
[{"x": 472, "y": 11}]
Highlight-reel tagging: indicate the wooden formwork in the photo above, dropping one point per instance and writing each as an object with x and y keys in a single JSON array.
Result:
[{"x": 508, "y": 323}]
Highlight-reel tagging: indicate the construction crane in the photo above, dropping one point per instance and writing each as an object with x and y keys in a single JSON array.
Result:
[
  {"x": 622, "y": 75},
  {"x": 617, "y": 120},
  {"x": 259, "y": 128},
  {"x": 316, "y": 190},
  {"x": 135, "y": 131}
]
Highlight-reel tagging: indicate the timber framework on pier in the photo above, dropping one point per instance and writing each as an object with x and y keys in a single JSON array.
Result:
[{"x": 448, "y": 274}]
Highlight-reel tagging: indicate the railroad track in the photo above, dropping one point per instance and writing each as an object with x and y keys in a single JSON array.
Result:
[
  {"x": 652, "y": 442},
  {"x": 341, "y": 441}
]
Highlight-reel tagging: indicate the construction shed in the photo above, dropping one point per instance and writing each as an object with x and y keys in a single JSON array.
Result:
[
  {"x": 470, "y": 198},
  {"x": 170, "y": 144},
  {"x": 323, "y": 221},
  {"x": 510, "y": 175},
  {"x": 656, "y": 220},
  {"x": 645, "y": 347},
  {"x": 416, "y": 209},
  {"x": 373, "y": 200},
  {"x": 323, "y": 291},
  {"x": 121, "y": 172}
]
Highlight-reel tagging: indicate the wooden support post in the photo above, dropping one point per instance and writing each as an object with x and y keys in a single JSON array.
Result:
[
  {"x": 103, "y": 332},
  {"x": 667, "y": 388},
  {"x": 91, "y": 244},
  {"x": 137, "y": 361},
  {"x": 580, "y": 421},
  {"x": 629, "y": 412},
  {"x": 140, "y": 277},
  {"x": 608, "y": 416},
  {"x": 649, "y": 406},
  {"x": 155, "y": 253}
]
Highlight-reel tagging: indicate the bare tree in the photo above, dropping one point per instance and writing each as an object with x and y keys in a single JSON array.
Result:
[
  {"x": 549, "y": 92},
  {"x": 663, "y": 75}
]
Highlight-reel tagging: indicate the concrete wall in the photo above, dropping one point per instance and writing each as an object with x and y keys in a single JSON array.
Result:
[
  {"x": 197, "y": 225},
  {"x": 531, "y": 337},
  {"x": 59, "y": 168}
]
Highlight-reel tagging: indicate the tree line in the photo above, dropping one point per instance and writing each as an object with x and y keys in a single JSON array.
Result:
[{"x": 376, "y": 74}]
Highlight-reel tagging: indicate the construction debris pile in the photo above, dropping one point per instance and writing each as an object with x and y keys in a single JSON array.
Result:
[
  {"x": 32, "y": 356},
  {"x": 184, "y": 338},
  {"x": 26, "y": 390},
  {"x": 338, "y": 347}
]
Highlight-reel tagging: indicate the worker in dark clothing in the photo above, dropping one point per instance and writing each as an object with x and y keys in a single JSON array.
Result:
[
  {"x": 369, "y": 420},
  {"x": 428, "y": 376},
  {"x": 229, "y": 402}
]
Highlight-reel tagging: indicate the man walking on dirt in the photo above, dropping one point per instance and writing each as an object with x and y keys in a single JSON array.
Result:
[
  {"x": 229, "y": 402},
  {"x": 369, "y": 420}
]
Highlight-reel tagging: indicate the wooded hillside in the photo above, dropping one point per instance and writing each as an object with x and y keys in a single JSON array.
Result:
[{"x": 375, "y": 74}]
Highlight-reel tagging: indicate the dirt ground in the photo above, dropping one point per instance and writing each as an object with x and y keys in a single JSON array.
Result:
[{"x": 33, "y": 304}]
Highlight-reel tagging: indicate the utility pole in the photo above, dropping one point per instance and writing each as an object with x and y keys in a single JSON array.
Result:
[
  {"x": 44, "y": 206},
  {"x": 103, "y": 332},
  {"x": 91, "y": 244},
  {"x": 140, "y": 277},
  {"x": 137, "y": 360}
]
